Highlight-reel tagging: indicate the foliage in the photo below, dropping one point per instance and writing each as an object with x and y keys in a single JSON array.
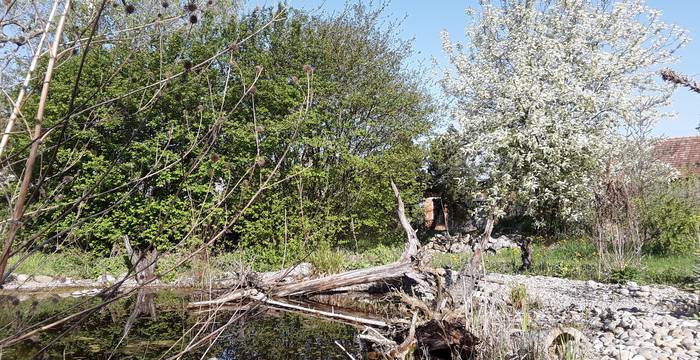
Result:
[
  {"x": 78, "y": 264},
  {"x": 328, "y": 261},
  {"x": 623, "y": 275},
  {"x": 450, "y": 260},
  {"x": 449, "y": 175},
  {"x": 545, "y": 85},
  {"x": 70, "y": 263},
  {"x": 518, "y": 296},
  {"x": 172, "y": 165},
  {"x": 578, "y": 259},
  {"x": 670, "y": 218},
  {"x": 368, "y": 114}
]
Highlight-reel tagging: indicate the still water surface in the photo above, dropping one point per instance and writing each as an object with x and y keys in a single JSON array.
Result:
[{"x": 162, "y": 327}]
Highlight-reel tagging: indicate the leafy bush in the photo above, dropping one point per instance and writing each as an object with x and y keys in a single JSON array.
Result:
[
  {"x": 328, "y": 261},
  {"x": 332, "y": 188},
  {"x": 671, "y": 224},
  {"x": 518, "y": 296},
  {"x": 620, "y": 276}
]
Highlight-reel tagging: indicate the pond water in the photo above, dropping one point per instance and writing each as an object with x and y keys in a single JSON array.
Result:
[{"x": 162, "y": 327}]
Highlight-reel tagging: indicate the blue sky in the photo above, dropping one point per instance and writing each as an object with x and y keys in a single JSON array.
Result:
[{"x": 425, "y": 19}]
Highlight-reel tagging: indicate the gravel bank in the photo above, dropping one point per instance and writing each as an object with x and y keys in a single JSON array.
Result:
[{"x": 620, "y": 321}]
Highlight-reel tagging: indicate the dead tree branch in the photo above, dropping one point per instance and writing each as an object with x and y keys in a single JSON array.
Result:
[
  {"x": 34, "y": 151},
  {"x": 680, "y": 79}
]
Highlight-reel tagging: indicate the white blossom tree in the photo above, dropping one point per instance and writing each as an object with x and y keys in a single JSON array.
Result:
[{"x": 543, "y": 88}]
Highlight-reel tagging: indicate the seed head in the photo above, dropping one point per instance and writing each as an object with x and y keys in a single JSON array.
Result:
[
  {"x": 214, "y": 157},
  {"x": 253, "y": 89},
  {"x": 233, "y": 47},
  {"x": 164, "y": 4},
  {"x": 187, "y": 64},
  {"x": 258, "y": 69},
  {"x": 308, "y": 68},
  {"x": 130, "y": 8},
  {"x": 260, "y": 161},
  {"x": 191, "y": 7},
  {"x": 193, "y": 19},
  {"x": 259, "y": 129}
]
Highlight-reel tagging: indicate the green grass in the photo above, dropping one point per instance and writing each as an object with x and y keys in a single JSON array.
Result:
[
  {"x": 71, "y": 263},
  {"x": 82, "y": 265},
  {"x": 577, "y": 259},
  {"x": 452, "y": 261},
  {"x": 573, "y": 259}
]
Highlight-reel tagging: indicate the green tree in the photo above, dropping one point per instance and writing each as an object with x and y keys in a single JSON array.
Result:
[{"x": 328, "y": 98}]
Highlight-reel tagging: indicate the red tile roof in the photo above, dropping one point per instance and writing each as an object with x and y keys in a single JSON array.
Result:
[{"x": 683, "y": 153}]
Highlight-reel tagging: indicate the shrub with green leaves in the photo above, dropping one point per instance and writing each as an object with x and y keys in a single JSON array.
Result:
[
  {"x": 332, "y": 117},
  {"x": 671, "y": 224}
]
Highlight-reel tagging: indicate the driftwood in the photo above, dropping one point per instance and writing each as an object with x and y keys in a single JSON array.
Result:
[
  {"x": 559, "y": 339},
  {"x": 407, "y": 264},
  {"x": 273, "y": 288},
  {"x": 526, "y": 253},
  {"x": 143, "y": 262},
  {"x": 445, "y": 340},
  {"x": 412, "y": 243},
  {"x": 255, "y": 295},
  {"x": 474, "y": 265}
]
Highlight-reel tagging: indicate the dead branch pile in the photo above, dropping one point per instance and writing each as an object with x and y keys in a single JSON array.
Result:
[{"x": 437, "y": 332}]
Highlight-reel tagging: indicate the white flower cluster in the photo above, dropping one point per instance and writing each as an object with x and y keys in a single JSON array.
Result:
[{"x": 542, "y": 89}]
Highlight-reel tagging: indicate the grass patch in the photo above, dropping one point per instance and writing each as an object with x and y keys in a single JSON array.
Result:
[
  {"x": 578, "y": 259},
  {"x": 573, "y": 259},
  {"x": 453, "y": 261},
  {"x": 70, "y": 263},
  {"x": 83, "y": 265},
  {"x": 518, "y": 296}
]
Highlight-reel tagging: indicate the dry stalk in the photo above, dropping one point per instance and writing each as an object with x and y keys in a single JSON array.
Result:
[
  {"x": 25, "y": 84},
  {"x": 34, "y": 151}
]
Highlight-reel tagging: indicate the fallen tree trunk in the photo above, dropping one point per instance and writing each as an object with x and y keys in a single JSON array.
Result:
[
  {"x": 350, "y": 278},
  {"x": 406, "y": 265},
  {"x": 270, "y": 290},
  {"x": 252, "y": 294}
]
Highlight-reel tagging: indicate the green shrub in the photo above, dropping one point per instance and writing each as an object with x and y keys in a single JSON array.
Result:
[
  {"x": 328, "y": 261},
  {"x": 620, "y": 276},
  {"x": 518, "y": 296},
  {"x": 671, "y": 224},
  {"x": 449, "y": 260}
]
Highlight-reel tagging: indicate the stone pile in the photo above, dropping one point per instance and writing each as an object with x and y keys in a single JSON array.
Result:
[
  {"x": 621, "y": 322},
  {"x": 634, "y": 290},
  {"x": 450, "y": 244},
  {"x": 463, "y": 243},
  {"x": 628, "y": 335}
]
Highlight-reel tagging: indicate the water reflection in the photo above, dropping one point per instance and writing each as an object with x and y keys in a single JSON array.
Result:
[{"x": 152, "y": 325}]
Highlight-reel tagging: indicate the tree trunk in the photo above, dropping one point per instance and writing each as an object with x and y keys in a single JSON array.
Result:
[
  {"x": 143, "y": 262},
  {"x": 526, "y": 253}
]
